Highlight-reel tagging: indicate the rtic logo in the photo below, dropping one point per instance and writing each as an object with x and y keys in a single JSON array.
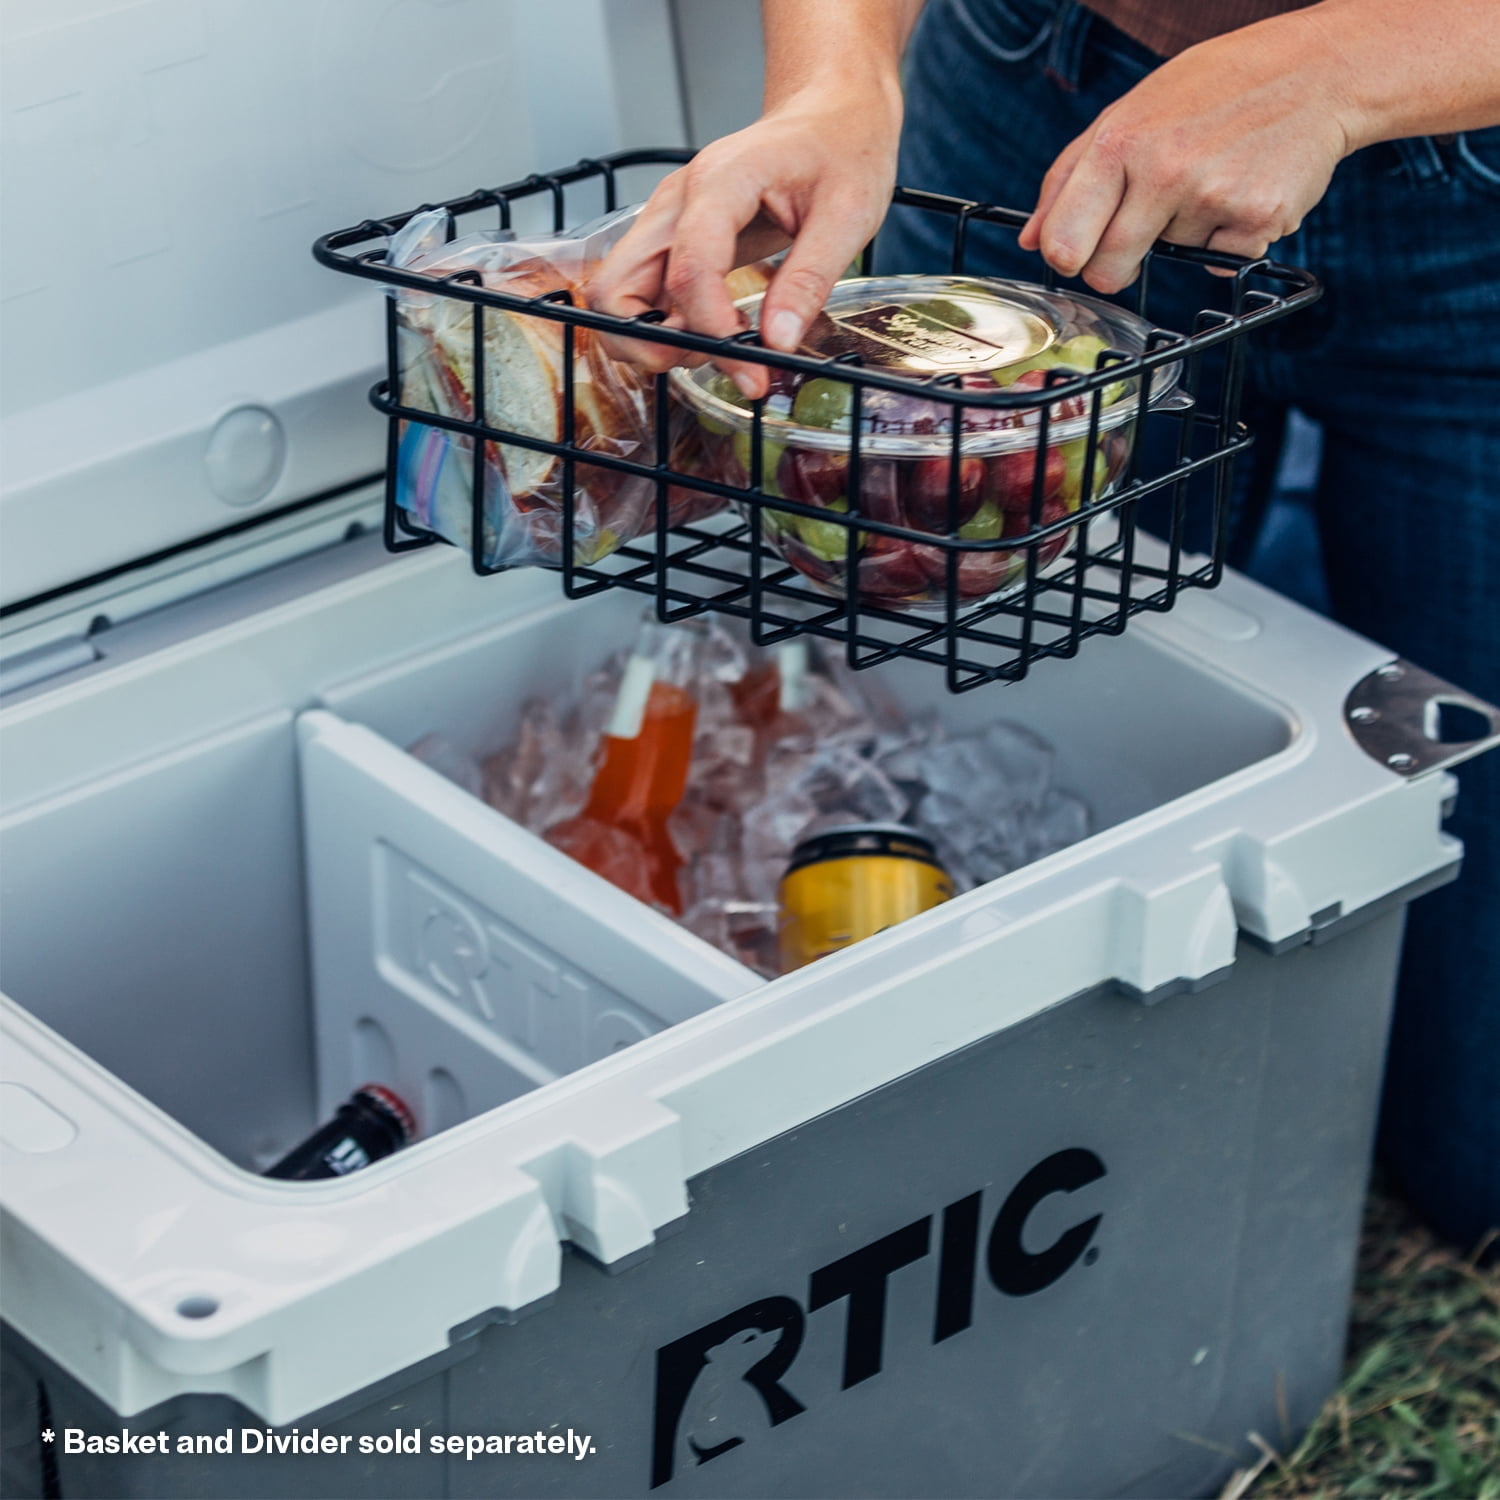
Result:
[{"x": 722, "y": 1383}]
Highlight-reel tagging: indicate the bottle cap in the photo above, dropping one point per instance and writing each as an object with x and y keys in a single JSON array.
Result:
[{"x": 392, "y": 1104}]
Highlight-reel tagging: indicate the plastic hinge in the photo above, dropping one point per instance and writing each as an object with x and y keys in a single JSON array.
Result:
[
  {"x": 611, "y": 1188},
  {"x": 28, "y": 668}
]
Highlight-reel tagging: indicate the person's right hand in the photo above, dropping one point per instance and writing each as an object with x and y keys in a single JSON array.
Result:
[{"x": 816, "y": 171}]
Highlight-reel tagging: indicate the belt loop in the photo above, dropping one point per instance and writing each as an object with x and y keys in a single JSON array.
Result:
[
  {"x": 1421, "y": 159},
  {"x": 1070, "y": 34}
]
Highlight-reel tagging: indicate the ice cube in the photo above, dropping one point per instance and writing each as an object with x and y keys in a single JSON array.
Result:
[
  {"x": 1022, "y": 758},
  {"x": 523, "y": 780},
  {"x": 975, "y": 845},
  {"x": 769, "y": 832},
  {"x": 1004, "y": 766},
  {"x": 722, "y": 656},
  {"x": 898, "y": 753},
  {"x": 1062, "y": 819},
  {"x": 723, "y": 774},
  {"x": 607, "y": 851},
  {"x": 831, "y": 714},
  {"x": 868, "y": 697},
  {"x": 745, "y": 930},
  {"x": 840, "y": 780},
  {"x": 692, "y": 823},
  {"x": 785, "y": 762},
  {"x": 448, "y": 760},
  {"x": 717, "y": 877}
]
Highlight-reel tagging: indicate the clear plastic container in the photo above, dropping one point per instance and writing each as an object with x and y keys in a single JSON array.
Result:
[{"x": 945, "y": 333}]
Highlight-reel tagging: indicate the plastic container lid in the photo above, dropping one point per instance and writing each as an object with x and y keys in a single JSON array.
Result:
[{"x": 982, "y": 333}]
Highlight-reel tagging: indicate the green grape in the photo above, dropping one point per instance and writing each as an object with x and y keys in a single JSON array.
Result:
[
  {"x": 1007, "y": 373},
  {"x": 823, "y": 403},
  {"x": 770, "y": 459},
  {"x": 825, "y": 539},
  {"x": 725, "y": 390},
  {"x": 1082, "y": 351},
  {"x": 1077, "y": 353},
  {"x": 1073, "y": 454},
  {"x": 985, "y": 525}
]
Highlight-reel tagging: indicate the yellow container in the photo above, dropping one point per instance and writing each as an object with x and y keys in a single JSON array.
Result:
[{"x": 848, "y": 883}]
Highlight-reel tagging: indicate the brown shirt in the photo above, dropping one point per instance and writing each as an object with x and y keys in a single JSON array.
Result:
[{"x": 1168, "y": 26}]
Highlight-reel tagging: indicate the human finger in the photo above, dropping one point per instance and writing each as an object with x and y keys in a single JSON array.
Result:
[
  {"x": 629, "y": 282},
  {"x": 1071, "y": 229},
  {"x": 704, "y": 250},
  {"x": 1052, "y": 184},
  {"x": 1137, "y": 223},
  {"x": 1192, "y": 226},
  {"x": 830, "y": 237},
  {"x": 649, "y": 355},
  {"x": 1247, "y": 242}
]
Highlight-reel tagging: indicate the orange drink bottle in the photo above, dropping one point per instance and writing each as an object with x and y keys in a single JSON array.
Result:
[
  {"x": 770, "y": 697},
  {"x": 643, "y": 766}
]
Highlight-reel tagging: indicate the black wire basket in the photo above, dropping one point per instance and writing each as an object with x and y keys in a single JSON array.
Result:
[{"x": 1073, "y": 577}]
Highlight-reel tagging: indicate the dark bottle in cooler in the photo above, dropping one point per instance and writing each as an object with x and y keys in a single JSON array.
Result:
[{"x": 371, "y": 1124}]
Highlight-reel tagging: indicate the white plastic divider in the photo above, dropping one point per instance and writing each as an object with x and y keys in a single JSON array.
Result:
[
  {"x": 471, "y": 1219},
  {"x": 461, "y": 959}
]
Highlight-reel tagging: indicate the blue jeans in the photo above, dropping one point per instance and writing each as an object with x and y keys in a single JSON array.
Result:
[{"x": 1400, "y": 363}]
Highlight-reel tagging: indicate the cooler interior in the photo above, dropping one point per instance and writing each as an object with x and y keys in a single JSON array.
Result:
[{"x": 234, "y": 945}]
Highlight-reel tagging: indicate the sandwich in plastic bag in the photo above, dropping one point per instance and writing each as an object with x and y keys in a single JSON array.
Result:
[{"x": 523, "y": 392}]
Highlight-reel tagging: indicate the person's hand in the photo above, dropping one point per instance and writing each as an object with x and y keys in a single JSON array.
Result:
[
  {"x": 816, "y": 171},
  {"x": 1226, "y": 147}
]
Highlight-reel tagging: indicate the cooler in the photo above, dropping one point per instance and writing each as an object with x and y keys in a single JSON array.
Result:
[{"x": 1052, "y": 1190}]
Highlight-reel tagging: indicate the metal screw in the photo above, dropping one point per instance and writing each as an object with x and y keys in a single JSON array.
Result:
[
  {"x": 1400, "y": 761},
  {"x": 1363, "y": 714},
  {"x": 1390, "y": 672}
]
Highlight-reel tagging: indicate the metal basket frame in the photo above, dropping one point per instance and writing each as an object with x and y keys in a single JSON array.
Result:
[{"x": 690, "y": 569}]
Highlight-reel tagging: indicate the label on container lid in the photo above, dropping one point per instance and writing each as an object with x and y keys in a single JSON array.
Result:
[{"x": 934, "y": 336}]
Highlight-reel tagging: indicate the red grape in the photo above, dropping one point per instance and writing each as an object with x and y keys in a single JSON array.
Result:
[
  {"x": 926, "y": 491},
  {"x": 892, "y": 569},
  {"x": 1010, "y": 476},
  {"x": 1036, "y": 380},
  {"x": 813, "y": 476},
  {"x": 807, "y": 562},
  {"x": 879, "y": 492}
]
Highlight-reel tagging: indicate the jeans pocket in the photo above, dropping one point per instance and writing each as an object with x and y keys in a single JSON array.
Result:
[
  {"x": 1007, "y": 31},
  {"x": 1476, "y": 157}
]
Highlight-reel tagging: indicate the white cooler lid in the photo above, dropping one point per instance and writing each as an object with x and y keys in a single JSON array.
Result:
[{"x": 173, "y": 360}]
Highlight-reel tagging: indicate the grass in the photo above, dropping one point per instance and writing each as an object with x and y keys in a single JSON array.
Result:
[{"x": 1418, "y": 1413}]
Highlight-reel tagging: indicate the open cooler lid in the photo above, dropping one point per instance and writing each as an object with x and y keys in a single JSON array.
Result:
[{"x": 174, "y": 361}]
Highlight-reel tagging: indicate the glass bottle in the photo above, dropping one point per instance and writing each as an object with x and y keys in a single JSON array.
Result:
[{"x": 644, "y": 757}]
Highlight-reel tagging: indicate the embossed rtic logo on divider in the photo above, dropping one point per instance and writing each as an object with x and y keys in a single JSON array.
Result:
[
  {"x": 729, "y": 1372},
  {"x": 461, "y": 953}
]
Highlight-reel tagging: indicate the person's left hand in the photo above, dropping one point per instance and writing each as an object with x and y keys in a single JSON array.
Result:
[{"x": 1225, "y": 146}]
